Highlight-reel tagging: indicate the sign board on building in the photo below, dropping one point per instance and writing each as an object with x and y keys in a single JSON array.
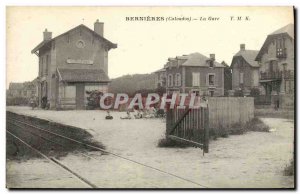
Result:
[{"x": 80, "y": 61}]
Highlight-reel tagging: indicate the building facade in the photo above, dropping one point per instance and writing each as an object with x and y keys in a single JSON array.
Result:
[
  {"x": 72, "y": 64},
  {"x": 245, "y": 70},
  {"x": 194, "y": 73},
  {"x": 160, "y": 78},
  {"x": 276, "y": 61}
]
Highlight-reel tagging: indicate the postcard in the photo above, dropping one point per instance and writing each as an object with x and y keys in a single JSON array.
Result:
[{"x": 150, "y": 97}]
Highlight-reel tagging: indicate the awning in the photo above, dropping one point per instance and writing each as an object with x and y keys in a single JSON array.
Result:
[{"x": 82, "y": 75}]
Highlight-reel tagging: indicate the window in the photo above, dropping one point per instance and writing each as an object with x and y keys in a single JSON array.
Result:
[
  {"x": 70, "y": 92},
  {"x": 196, "y": 79},
  {"x": 211, "y": 79},
  {"x": 170, "y": 80},
  {"x": 41, "y": 66},
  {"x": 273, "y": 66},
  {"x": 280, "y": 48},
  {"x": 211, "y": 64},
  {"x": 211, "y": 93},
  {"x": 178, "y": 79},
  {"x": 80, "y": 44},
  {"x": 47, "y": 64},
  {"x": 241, "y": 78}
]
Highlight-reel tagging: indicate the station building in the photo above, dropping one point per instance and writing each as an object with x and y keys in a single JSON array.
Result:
[{"x": 72, "y": 64}]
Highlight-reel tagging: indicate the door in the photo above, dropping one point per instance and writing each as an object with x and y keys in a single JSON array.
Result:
[{"x": 80, "y": 96}]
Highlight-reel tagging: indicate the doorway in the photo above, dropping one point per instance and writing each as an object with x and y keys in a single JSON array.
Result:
[{"x": 80, "y": 96}]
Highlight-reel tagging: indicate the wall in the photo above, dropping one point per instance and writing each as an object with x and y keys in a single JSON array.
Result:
[
  {"x": 251, "y": 75},
  {"x": 173, "y": 71},
  {"x": 271, "y": 54},
  {"x": 219, "y": 79},
  {"x": 226, "y": 111},
  {"x": 93, "y": 50}
]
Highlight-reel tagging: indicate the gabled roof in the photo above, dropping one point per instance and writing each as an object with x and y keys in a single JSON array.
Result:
[
  {"x": 199, "y": 60},
  {"x": 287, "y": 30},
  {"x": 82, "y": 75},
  {"x": 248, "y": 55},
  {"x": 43, "y": 43}
]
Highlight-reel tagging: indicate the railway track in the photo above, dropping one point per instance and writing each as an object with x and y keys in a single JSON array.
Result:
[{"x": 38, "y": 131}]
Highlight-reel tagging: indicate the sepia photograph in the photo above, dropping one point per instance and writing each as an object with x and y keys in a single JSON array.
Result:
[{"x": 157, "y": 97}]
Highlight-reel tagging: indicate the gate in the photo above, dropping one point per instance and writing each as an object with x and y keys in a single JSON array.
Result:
[{"x": 190, "y": 126}]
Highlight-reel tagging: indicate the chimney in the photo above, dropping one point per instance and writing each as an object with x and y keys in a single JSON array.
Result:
[
  {"x": 212, "y": 57},
  {"x": 47, "y": 35},
  {"x": 99, "y": 27},
  {"x": 242, "y": 47}
]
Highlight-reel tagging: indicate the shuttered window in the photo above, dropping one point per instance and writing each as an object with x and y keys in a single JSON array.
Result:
[
  {"x": 178, "y": 79},
  {"x": 170, "y": 80},
  {"x": 196, "y": 79}
]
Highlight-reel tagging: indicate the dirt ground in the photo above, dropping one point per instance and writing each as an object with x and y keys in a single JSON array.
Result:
[{"x": 252, "y": 160}]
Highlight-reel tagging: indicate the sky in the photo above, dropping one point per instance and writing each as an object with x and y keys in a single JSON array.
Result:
[{"x": 143, "y": 46}]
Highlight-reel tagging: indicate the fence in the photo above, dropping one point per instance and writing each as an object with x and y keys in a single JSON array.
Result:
[
  {"x": 189, "y": 126},
  {"x": 226, "y": 111}
]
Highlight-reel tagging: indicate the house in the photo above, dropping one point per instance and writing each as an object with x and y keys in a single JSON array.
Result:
[
  {"x": 245, "y": 70},
  {"x": 195, "y": 73},
  {"x": 22, "y": 90},
  {"x": 276, "y": 61},
  {"x": 72, "y": 64}
]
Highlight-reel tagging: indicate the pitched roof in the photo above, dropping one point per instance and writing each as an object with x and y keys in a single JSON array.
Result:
[
  {"x": 197, "y": 59},
  {"x": 286, "y": 30},
  {"x": 82, "y": 75},
  {"x": 43, "y": 43},
  {"x": 289, "y": 29},
  {"x": 248, "y": 55},
  {"x": 160, "y": 70}
]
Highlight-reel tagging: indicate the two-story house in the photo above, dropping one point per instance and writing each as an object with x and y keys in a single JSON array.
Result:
[
  {"x": 195, "y": 73},
  {"x": 71, "y": 64},
  {"x": 276, "y": 60},
  {"x": 245, "y": 70}
]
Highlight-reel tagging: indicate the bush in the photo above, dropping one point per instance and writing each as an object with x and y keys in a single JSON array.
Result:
[
  {"x": 257, "y": 125},
  {"x": 237, "y": 129},
  {"x": 17, "y": 101},
  {"x": 166, "y": 142},
  {"x": 289, "y": 169}
]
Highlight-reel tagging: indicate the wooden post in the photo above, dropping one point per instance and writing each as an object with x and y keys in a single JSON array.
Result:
[
  {"x": 169, "y": 121},
  {"x": 206, "y": 131}
]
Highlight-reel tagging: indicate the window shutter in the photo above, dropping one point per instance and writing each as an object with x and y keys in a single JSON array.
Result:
[
  {"x": 215, "y": 80},
  {"x": 207, "y": 81},
  {"x": 196, "y": 79}
]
